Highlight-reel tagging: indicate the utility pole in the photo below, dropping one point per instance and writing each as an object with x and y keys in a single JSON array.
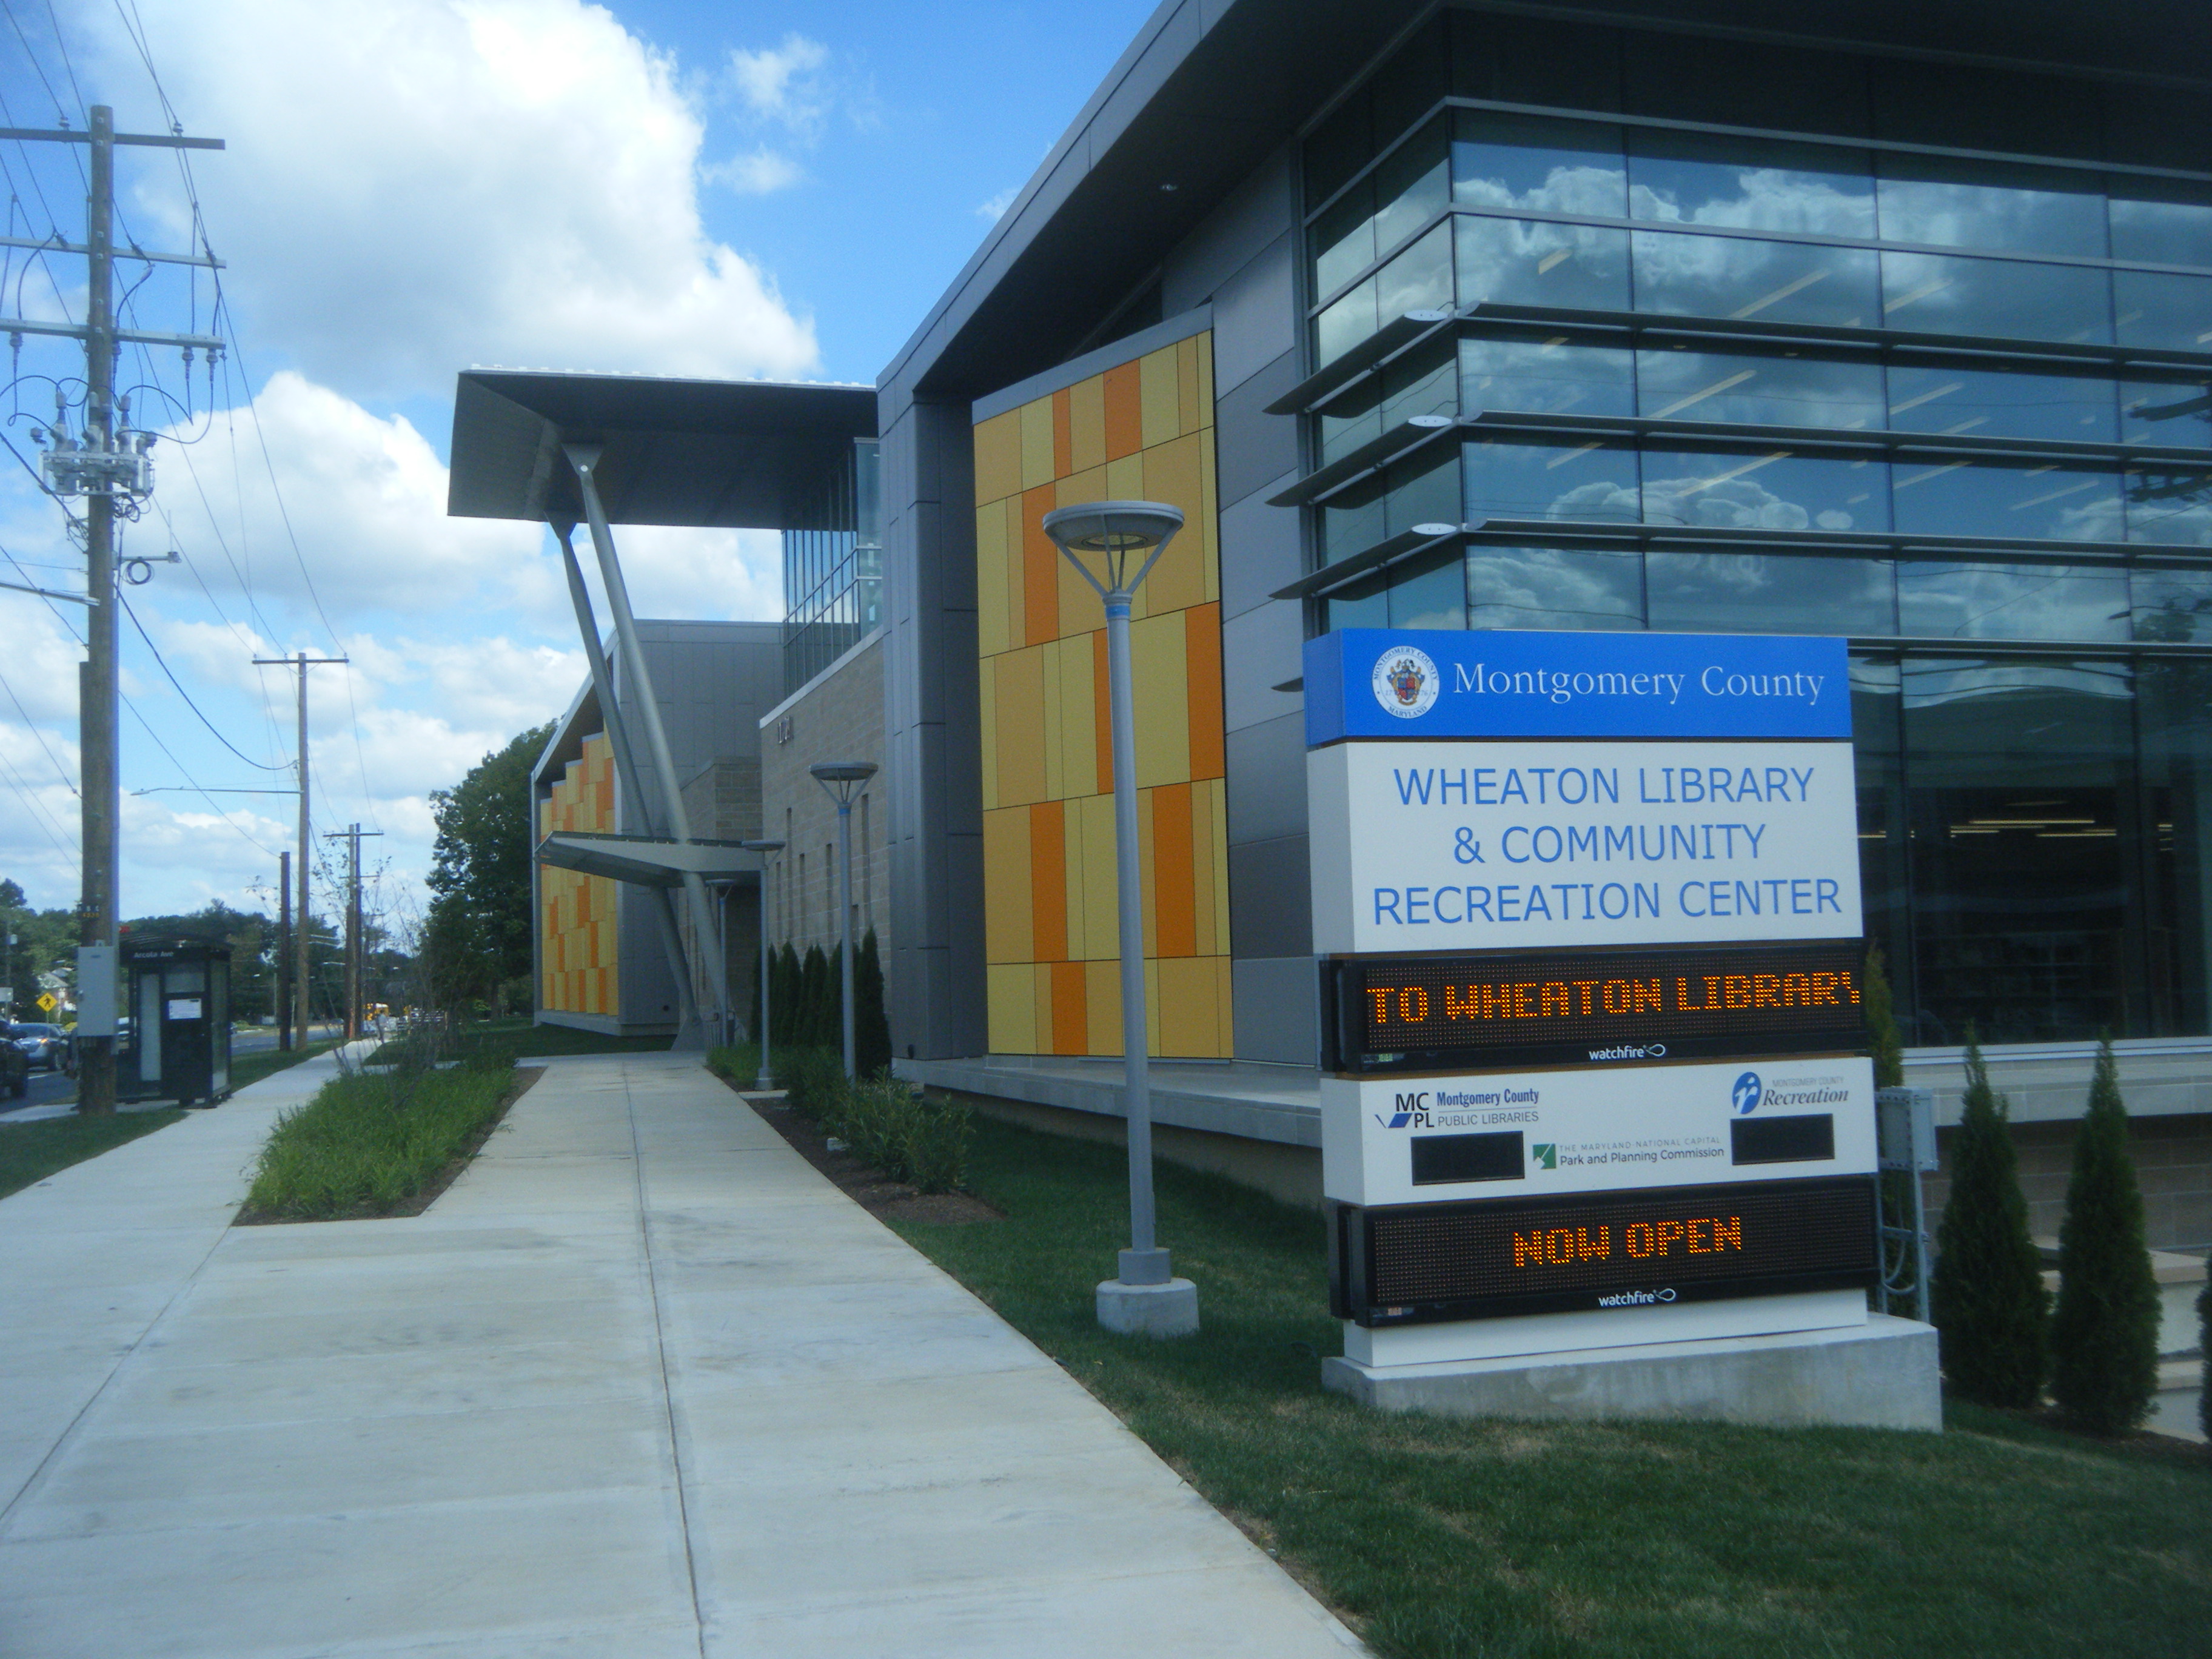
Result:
[
  {"x": 283, "y": 963},
  {"x": 105, "y": 463},
  {"x": 302, "y": 998},
  {"x": 352, "y": 834}
]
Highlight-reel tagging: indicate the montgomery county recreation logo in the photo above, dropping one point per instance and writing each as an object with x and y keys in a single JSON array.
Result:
[
  {"x": 1406, "y": 682},
  {"x": 1747, "y": 1094}
]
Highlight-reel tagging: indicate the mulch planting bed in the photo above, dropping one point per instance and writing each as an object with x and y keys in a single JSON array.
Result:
[{"x": 865, "y": 1185}]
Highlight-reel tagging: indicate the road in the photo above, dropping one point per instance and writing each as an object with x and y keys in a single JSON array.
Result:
[{"x": 55, "y": 1088}]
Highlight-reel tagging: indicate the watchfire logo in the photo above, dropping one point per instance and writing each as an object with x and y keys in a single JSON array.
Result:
[
  {"x": 1630, "y": 1051},
  {"x": 1635, "y": 1299}
]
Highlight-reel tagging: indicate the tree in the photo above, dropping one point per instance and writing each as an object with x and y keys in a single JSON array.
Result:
[
  {"x": 2104, "y": 1336},
  {"x": 871, "y": 1030},
  {"x": 815, "y": 993},
  {"x": 476, "y": 936},
  {"x": 1986, "y": 1292},
  {"x": 785, "y": 984},
  {"x": 1883, "y": 1037}
]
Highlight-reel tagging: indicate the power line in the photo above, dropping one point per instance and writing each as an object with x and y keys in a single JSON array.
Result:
[
  {"x": 194, "y": 783},
  {"x": 131, "y": 612},
  {"x": 60, "y": 771}
]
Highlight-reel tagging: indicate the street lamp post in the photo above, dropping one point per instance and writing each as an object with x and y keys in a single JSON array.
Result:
[
  {"x": 766, "y": 1080},
  {"x": 843, "y": 779},
  {"x": 1145, "y": 1297}
]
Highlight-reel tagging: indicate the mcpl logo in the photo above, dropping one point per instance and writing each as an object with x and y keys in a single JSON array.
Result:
[
  {"x": 1406, "y": 682},
  {"x": 1747, "y": 1094}
]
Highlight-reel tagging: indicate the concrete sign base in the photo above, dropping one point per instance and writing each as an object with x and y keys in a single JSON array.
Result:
[
  {"x": 1881, "y": 1374},
  {"x": 1169, "y": 1310}
]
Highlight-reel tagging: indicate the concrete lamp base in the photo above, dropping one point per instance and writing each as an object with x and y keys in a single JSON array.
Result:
[{"x": 1158, "y": 1310}]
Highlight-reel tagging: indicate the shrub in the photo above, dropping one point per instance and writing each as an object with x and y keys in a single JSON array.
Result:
[
  {"x": 784, "y": 986},
  {"x": 815, "y": 993},
  {"x": 1986, "y": 1292},
  {"x": 814, "y": 1078},
  {"x": 366, "y": 1144},
  {"x": 909, "y": 1138},
  {"x": 2104, "y": 1336}
]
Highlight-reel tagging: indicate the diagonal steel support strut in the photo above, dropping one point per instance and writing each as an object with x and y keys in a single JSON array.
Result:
[
  {"x": 585, "y": 458},
  {"x": 687, "y": 1028}
]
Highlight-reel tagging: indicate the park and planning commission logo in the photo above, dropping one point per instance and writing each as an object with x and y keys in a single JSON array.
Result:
[{"x": 1406, "y": 682}]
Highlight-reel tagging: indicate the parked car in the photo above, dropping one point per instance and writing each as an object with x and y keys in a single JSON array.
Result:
[
  {"x": 43, "y": 1045},
  {"x": 15, "y": 1067}
]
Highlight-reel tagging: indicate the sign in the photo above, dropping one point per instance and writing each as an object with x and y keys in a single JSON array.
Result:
[
  {"x": 46, "y": 1003},
  {"x": 1405, "y": 1140},
  {"x": 1395, "y": 683},
  {"x": 1604, "y": 1250},
  {"x": 1459, "y": 845},
  {"x": 1382, "y": 1014}
]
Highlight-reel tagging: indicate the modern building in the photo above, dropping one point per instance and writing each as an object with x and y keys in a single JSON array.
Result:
[
  {"x": 599, "y": 960},
  {"x": 1853, "y": 318}
]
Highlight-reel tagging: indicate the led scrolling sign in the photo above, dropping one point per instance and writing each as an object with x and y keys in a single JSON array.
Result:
[{"x": 1590, "y": 1007}]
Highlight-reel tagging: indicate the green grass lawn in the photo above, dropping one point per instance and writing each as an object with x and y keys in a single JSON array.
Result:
[
  {"x": 515, "y": 1038},
  {"x": 1439, "y": 1537},
  {"x": 267, "y": 1063},
  {"x": 31, "y": 1151}
]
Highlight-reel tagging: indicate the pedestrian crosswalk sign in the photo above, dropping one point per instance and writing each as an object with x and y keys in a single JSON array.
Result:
[{"x": 46, "y": 1003}]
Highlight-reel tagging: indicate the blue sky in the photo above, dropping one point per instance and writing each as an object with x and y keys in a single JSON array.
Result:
[{"x": 413, "y": 186}]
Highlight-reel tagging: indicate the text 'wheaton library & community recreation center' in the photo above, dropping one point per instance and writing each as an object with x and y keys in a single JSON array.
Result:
[{"x": 1667, "y": 506}]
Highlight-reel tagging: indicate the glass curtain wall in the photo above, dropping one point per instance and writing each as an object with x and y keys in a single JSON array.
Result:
[
  {"x": 833, "y": 570},
  {"x": 1736, "y": 338}
]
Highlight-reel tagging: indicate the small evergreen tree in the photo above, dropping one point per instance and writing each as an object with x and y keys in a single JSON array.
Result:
[
  {"x": 813, "y": 992},
  {"x": 2204, "y": 1347},
  {"x": 1883, "y": 1038},
  {"x": 783, "y": 996},
  {"x": 2104, "y": 1336},
  {"x": 872, "y": 1029},
  {"x": 1986, "y": 1292}
]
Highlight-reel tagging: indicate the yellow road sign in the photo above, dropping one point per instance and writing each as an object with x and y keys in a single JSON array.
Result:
[{"x": 46, "y": 1003}]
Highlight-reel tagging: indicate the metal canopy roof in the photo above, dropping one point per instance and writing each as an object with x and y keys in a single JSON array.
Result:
[
  {"x": 648, "y": 860},
  {"x": 730, "y": 455}
]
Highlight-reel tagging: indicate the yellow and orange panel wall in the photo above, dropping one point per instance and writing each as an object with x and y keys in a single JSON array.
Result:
[
  {"x": 1142, "y": 428},
  {"x": 579, "y": 945}
]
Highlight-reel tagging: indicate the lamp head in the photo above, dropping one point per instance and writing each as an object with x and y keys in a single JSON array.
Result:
[
  {"x": 841, "y": 778},
  {"x": 1118, "y": 537},
  {"x": 761, "y": 846}
]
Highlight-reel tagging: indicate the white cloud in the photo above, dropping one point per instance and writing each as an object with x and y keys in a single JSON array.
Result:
[
  {"x": 761, "y": 173},
  {"x": 784, "y": 83},
  {"x": 995, "y": 208},
  {"x": 414, "y": 186}
]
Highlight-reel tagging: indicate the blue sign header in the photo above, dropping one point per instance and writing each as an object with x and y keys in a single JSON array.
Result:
[{"x": 1401, "y": 683}]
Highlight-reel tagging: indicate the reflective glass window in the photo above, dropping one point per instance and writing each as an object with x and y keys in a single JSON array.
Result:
[
  {"x": 1420, "y": 279},
  {"x": 2162, "y": 222},
  {"x": 1975, "y": 498},
  {"x": 1545, "y": 377},
  {"x": 1424, "y": 382},
  {"x": 1562, "y": 588},
  {"x": 2167, "y": 312},
  {"x": 1348, "y": 320},
  {"x": 2011, "y": 601},
  {"x": 1768, "y": 593},
  {"x": 1585, "y": 483},
  {"x": 1528, "y": 261},
  {"x": 1991, "y": 204},
  {"x": 1750, "y": 184},
  {"x": 2011, "y": 299},
  {"x": 1780, "y": 389},
  {"x": 1423, "y": 488},
  {"x": 1775, "y": 489},
  {"x": 2174, "y": 704},
  {"x": 1991, "y": 404},
  {"x": 1687, "y": 276},
  {"x": 1411, "y": 186},
  {"x": 2174, "y": 413},
  {"x": 2172, "y": 607},
  {"x": 2169, "y": 508},
  {"x": 1538, "y": 163},
  {"x": 1426, "y": 593},
  {"x": 2016, "y": 774}
]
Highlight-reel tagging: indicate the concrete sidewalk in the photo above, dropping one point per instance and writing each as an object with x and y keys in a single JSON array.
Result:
[{"x": 641, "y": 1383}]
